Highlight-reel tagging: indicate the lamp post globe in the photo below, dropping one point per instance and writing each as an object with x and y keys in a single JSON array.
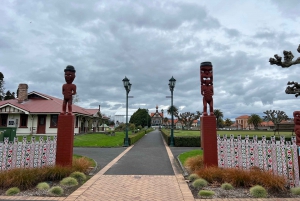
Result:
[{"x": 172, "y": 82}]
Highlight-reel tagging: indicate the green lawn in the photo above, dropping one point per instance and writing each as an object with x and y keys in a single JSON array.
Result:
[
  {"x": 182, "y": 157},
  {"x": 229, "y": 132},
  {"x": 99, "y": 140}
]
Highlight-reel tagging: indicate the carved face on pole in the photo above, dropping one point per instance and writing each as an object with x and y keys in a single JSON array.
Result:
[
  {"x": 70, "y": 74},
  {"x": 296, "y": 115},
  {"x": 206, "y": 74}
]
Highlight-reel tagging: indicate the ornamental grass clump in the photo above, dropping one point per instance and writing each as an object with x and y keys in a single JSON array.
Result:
[
  {"x": 295, "y": 191},
  {"x": 194, "y": 163},
  {"x": 43, "y": 186},
  {"x": 79, "y": 176},
  {"x": 12, "y": 191},
  {"x": 258, "y": 192},
  {"x": 227, "y": 186},
  {"x": 56, "y": 191},
  {"x": 206, "y": 193},
  {"x": 69, "y": 181},
  {"x": 193, "y": 177},
  {"x": 200, "y": 183}
]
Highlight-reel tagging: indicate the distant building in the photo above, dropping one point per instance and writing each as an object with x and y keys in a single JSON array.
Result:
[
  {"x": 157, "y": 118},
  {"x": 120, "y": 116}
]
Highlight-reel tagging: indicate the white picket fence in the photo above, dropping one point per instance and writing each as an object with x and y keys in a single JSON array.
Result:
[
  {"x": 27, "y": 154},
  {"x": 278, "y": 157}
]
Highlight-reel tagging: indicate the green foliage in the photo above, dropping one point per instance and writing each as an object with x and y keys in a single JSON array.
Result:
[
  {"x": 227, "y": 186},
  {"x": 258, "y": 192},
  {"x": 99, "y": 140},
  {"x": 255, "y": 120},
  {"x": 219, "y": 116},
  {"x": 295, "y": 191},
  {"x": 206, "y": 193},
  {"x": 131, "y": 127},
  {"x": 193, "y": 177},
  {"x": 140, "y": 118},
  {"x": 227, "y": 122},
  {"x": 79, "y": 176},
  {"x": 182, "y": 141},
  {"x": 25, "y": 178},
  {"x": 56, "y": 191},
  {"x": 9, "y": 95},
  {"x": 184, "y": 156},
  {"x": 12, "y": 191},
  {"x": 69, "y": 181},
  {"x": 43, "y": 186},
  {"x": 135, "y": 137},
  {"x": 200, "y": 183}
]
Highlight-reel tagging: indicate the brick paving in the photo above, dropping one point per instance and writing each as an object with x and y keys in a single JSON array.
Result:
[{"x": 135, "y": 187}]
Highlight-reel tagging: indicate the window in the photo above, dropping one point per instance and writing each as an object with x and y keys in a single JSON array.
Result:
[
  {"x": 76, "y": 124},
  {"x": 54, "y": 120},
  {"x": 3, "y": 118},
  {"x": 23, "y": 120}
]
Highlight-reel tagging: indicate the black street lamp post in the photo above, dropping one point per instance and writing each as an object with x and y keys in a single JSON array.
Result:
[
  {"x": 147, "y": 118},
  {"x": 127, "y": 87},
  {"x": 172, "y": 82}
]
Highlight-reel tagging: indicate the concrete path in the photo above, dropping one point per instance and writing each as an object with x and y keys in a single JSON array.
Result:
[{"x": 135, "y": 175}]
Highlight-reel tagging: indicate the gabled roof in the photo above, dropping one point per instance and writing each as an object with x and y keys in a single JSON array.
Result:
[
  {"x": 243, "y": 117},
  {"x": 154, "y": 113},
  {"x": 39, "y": 103}
]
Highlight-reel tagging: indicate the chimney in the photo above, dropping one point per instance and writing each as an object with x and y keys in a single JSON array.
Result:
[{"x": 23, "y": 94}]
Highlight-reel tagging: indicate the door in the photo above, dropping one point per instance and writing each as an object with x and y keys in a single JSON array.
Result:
[{"x": 41, "y": 125}]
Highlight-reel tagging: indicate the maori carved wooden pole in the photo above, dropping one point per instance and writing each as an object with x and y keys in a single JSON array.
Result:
[
  {"x": 65, "y": 128},
  {"x": 68, "y": 89},
  {"x": 208, "y": 122},
  {"x": 207, "y": 89}
]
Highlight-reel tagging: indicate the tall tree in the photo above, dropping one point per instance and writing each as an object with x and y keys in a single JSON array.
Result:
[
  {"x": 175, "y": 110},
  {"x": 166, "y": 120},
  {"x": 187, "y": 118},
  {"x": 276, "y": 116},
  {"x": 140, "y": 118},
  {"x": 228, "y": 122},
  {"x": 255, "y": 120},
  {"x": 219, "y": 116},
  {"x": 2, "y": 93},
  {"x": 9, "y": 95}
]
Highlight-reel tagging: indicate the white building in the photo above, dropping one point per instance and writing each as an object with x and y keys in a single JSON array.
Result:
[{"x": 120, "y": 116}]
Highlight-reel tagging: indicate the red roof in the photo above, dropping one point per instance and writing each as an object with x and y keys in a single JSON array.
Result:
[
  {"x": 42, "y": 103},
  {"x": 243, "y": 117}
]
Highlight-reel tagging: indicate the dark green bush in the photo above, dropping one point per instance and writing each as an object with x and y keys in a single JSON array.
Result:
[
  {"x": 190, "y": 141},
  {"x": 136, "y": 137}
]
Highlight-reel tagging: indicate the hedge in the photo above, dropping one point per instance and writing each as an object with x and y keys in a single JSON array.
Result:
[
  {"x": 189, "y": 141},
  {"x": 133, "y": 138}
]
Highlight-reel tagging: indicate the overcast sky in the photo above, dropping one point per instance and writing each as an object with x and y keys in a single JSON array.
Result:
[{"x": 149, "y": 42}]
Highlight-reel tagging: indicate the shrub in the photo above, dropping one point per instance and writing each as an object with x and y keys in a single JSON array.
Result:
[
  {"x": 69, "y": 181},
  {"x": 200, "y": 183},
  {"x": 56, "y": 190},
  {"x": 81, "y": 164},
  {"x": 12, "y": 191},
  {"x": 193, "y": 177},
  {"x": 258, "y": 192},
  {"x": 238, "y": 177},
  {"x": 206, "y": 193},
  {"x": 295, "y": 191},
  {"x": 79, "y": 176},
  {"x": 194, "y": 163},
  {"x": 212, "y": 174},
  {"x": 43, "y": 186},
  {"x": 227, "y": 186}
]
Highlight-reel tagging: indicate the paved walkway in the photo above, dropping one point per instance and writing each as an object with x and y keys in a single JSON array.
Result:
[{"x": 134, "y": 174}]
